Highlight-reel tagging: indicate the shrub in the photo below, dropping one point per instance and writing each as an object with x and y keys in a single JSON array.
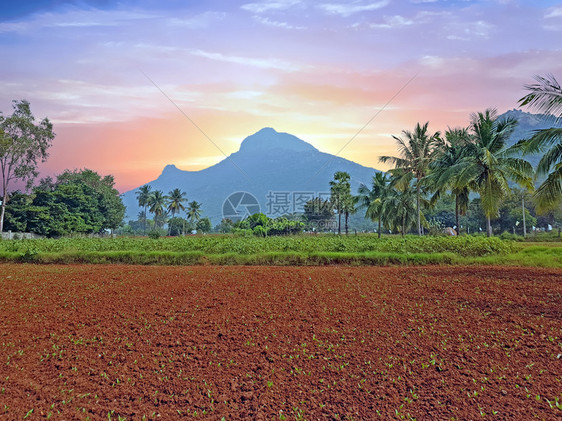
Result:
[{"x": 154, "y": 234}]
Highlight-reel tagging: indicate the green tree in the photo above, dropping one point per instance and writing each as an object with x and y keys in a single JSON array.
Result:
[
  {"x": 15, "y": 218},
  {"x": 157, "y": 206},
  {"x": 109, "y": 201},
  {"x": 443, "y": 177},
  {"x": 488, "y": 164},
  {"x": 143, "y": 198},
  {"x": 319, "y": 213},
  {"x": 340, "y": 191},
  {"x": 203, "y": 225},
  {"x": 400, "y": 207},
  {"x": 373, "y": 200},
  {"x": 225, "y": 227},
  {"x": 194, "y": 212},
  {"x": 175, "y": 202},
  {"x": 178, "y": 226},
  {"x": 23, "y": 145},
  {"x": 77, "y": 202},
  {"x": 69, "y": 208},
  {"x": 546, "y": 96},
  {"x": 417, "y": 149}
]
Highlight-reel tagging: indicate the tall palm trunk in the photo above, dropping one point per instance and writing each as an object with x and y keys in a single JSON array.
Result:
[
  {"x": 339, "y": 223},
  {"x": 403, "y": 224},
  {"x": 145, "y": 220},
  {"x": 418, "y": 207},
  {"x": 488, "y": 226},
  {"x": 4, "y": 198},
  {"x": 346, "y": 219},
  {"x": 380, "y": 226},
  {"x": 457, "y": 215},
  {"x": 523, "y": 209}
]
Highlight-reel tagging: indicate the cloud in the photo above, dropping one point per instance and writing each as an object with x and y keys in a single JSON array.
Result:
[
  {"x": 553, "y": 19},
  {"x": 268, "y": 22},
  {"x": 470, "y": 30},
  {"x": 75, "y": 18},
  {"x": 267, "y": 6},
  {"x": 396, "y": 21},
  {"x": 262, "y": 63},
  {"x": 348, "y": 9},
  {"x": 555, "y": 12},
  {"x": 200, "y": 21}
]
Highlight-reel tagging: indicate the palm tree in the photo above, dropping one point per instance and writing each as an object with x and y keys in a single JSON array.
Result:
[
  {"x": 401, "y": 205},
  {"x": 417, "y": 150},
  {"x": 373, "y": 200},
  {"x": 157, "y": 203},
  {"x": 488, "y": 164},
  {"x": 348, "y": 209},
  {"x": 442, "y": 176},
  {"x": 546, "y": 96},
  {"x": 340, "y": 190},
  {"x": 194, "y": 211},
  {"x": 143, "y": 196},
  {"x": 175, "y": 203}
]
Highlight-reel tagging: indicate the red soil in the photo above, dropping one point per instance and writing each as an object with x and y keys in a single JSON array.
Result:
[{"x": 78, "y": 342}]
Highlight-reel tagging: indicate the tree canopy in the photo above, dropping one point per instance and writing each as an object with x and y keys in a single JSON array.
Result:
[{"x": 23, "y": 145}]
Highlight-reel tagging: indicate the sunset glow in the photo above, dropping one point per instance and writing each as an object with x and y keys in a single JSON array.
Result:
[{"x": 319, "y": 70}]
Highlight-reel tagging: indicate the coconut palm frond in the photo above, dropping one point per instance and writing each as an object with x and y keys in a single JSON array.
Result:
[
  {"x": 549, "y": 193},
  {"x": 540, "y": 141},
  {"x": 551, "y": 158},
  {"x": 545, "y": 95}
]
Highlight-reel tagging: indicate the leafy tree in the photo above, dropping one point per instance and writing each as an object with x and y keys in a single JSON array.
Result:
[
  {"x": 318, "y": 213},
  {"x": 340, "y": 190},
  {"x": 546, "y": 96},
  {"x": 138, "y": 227},
  {"x": 109, "y": 202},
  {"x": 516, "y": 214},
  {"x": 488, "y": 164},
  {"x": 225, "y": 226},
  {"x": 179, "y": 226},
  {"x": 77, "y": 202},
  {"x": 157, "y": 203},
  {"x": 417, "y": 149},
  {"x": 23, "y": 144},
  {"x": 442, "y": 214},
  {"x": 143, "y": 198},
  {"x": 69, "y": 208},
  {"x": 15, "y": 218},
  {"x": 400, "y": 208},
  {"x": 373, "y": 200},
  {"x": 175, "y": 202},
  {"x": 258, "y": 219},
  {"x": 442, "y": 176},
  {"x": 194, "y": 212},
  {"x": 203, "y": 225}
]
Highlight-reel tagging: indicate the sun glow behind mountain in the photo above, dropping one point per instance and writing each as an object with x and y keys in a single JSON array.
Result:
[{"x": 318, "y": 70}]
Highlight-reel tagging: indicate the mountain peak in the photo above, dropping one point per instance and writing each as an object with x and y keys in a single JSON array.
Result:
[
  {"x": 270, "y": 139},
  {"x": 170, "y": 169}
]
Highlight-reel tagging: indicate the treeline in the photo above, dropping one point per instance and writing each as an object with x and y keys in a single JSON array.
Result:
[
  {"x": 166, "y": 209},
  {"x": 464, "y": 161},
  {"x": 80, "y": 202}
]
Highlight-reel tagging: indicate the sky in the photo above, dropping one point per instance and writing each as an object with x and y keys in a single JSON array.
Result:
[{"x": 132, "y": 86}]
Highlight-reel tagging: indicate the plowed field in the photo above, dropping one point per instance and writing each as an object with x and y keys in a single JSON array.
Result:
[{"x": 127, "y": 342}]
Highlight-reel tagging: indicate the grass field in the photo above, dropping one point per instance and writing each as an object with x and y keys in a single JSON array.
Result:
[{"x": 296, "y": 250}]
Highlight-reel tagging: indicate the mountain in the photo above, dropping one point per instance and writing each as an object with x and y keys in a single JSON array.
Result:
[
  {"x": 279, "y": 170},
  {"x": 527, "y": 124}
]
